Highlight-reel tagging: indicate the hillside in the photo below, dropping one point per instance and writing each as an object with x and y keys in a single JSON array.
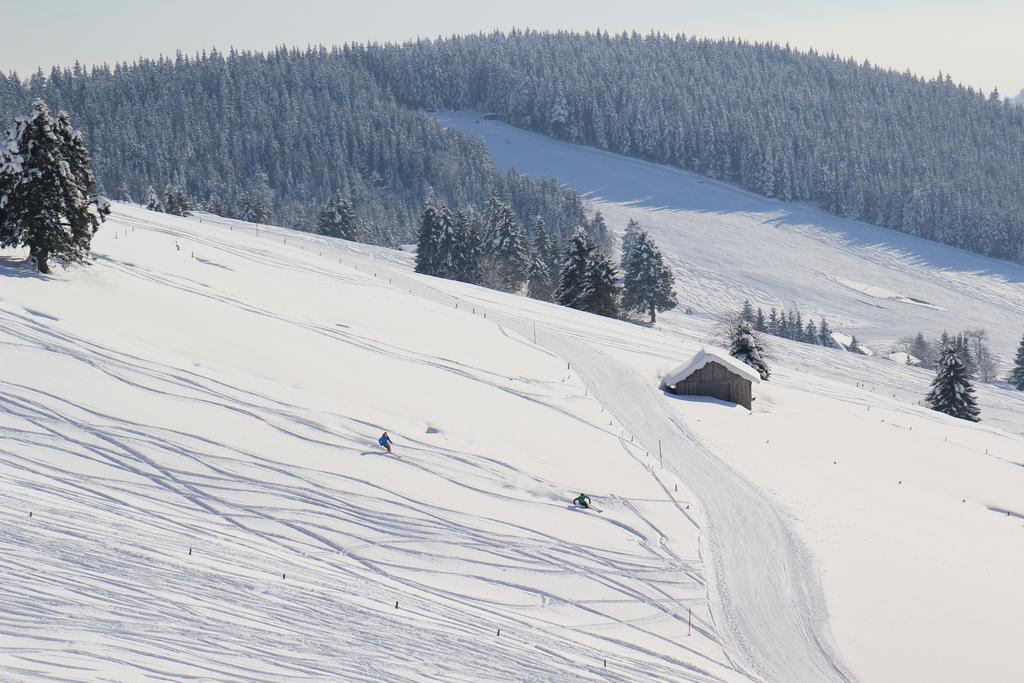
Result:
[
  {"x": 193, "y": 489},
  {"x": 726, "y": 244},
  {"x": 271, "y": 137},
  {"x": 923, "y": 156}
]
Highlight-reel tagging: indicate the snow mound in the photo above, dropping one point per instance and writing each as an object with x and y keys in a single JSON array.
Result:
[
  {"x": 845, "y": 342},
  {"x": 904, "y": 358},
  {"x": 883, "y": 293}
]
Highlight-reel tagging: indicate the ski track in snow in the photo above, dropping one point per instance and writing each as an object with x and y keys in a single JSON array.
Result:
[{"x": 768, "y": 605}]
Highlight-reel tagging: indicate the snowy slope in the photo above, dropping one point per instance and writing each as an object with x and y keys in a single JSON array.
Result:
[
  {"x": 727, "y": 244},
  {"x": 209, "y": 387},
  {"x": 201, "y": 387}
]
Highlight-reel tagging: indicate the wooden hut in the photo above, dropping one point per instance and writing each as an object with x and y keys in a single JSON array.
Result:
[{"x": 714, "y": 374}]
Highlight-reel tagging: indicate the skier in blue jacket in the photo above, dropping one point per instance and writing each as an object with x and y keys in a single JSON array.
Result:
[{"x": 385, "y": 441}]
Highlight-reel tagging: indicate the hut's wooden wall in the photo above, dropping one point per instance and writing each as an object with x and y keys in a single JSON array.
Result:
[{"x": 719, "y": 382}]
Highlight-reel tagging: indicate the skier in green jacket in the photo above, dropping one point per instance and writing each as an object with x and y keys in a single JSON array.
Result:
[{"x": 583, "y": 500}]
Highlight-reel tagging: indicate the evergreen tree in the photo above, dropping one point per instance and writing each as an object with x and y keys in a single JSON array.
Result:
[
  {"x": 1017, "y": 374},
  {"x": 257, "y": 201},
  {"x": 176, "y": 202},
  {"x": 428, "y": 243},
  {"x": 811, "y": 334},
  {"x": 153, "y": 202},
  {"x": 600, "y": 234},
  {"x": 760, "y": 322},
  {"x": 773, "y": 322},
  {"x": 747, "y": 312},
  {"x": 825, "y": 334},
  {"x": 629, "y": 242},
  {"x": 469, "y": 237},
  {"x": 602, "y": 293},
  {"x": 745, "y": 344},
  {"x": 951, "y": 391},
  {"x": 543, "y": 269},
  {"x": 338, "y": 219},
  {"x": 449, "y": 249},
  {"x": 574, "y": 281},
  {"x": 506, "y": 256},
  {"x": 46, "y": 185},
  {"x": 648, "y": 281},
  {"x": 963, "y": 347}
]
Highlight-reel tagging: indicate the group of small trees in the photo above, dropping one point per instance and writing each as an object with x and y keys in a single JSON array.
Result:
[
  {"x": 46, "y": 189},
  {"x": 981, "y": 363},
  {"x": 175, "y": 200},
  {"x": 787, "y": 325},
  {"x": 494, "y": 250},
  {"x": 338, "y": 219}
]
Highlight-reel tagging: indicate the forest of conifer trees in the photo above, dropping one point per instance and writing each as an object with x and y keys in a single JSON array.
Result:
[{"x": 295, "y": 127}]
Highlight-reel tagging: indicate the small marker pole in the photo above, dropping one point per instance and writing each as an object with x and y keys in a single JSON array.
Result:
[
  {"x": 661, "y": 460},
  {"x": 396, "y": 604},
  {"x": 535, "y": 333}
]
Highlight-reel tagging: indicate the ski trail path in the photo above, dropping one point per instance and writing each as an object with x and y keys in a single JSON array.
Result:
[{"x": 763, "y": 589}]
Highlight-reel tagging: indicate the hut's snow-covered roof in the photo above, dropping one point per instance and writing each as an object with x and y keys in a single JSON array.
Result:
[{"x": 702, "y": 358}]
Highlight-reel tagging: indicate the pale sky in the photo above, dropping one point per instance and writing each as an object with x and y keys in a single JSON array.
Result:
[{"x": 977, "y": 42}]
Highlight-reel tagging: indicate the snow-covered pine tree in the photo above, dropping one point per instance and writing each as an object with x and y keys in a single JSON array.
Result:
[
  {"x": 1017, "y": 374},
  {"x": 811, "y": 335},
  {"x": 760, "y": 322},
  {"x": 574, "y": 283},
  {"x": 541, "y": 279},
  {"x": 428, "y": 240},
  {"x": 629, "y": 242},
  {"x": 257, "y": 200},
  {"x": 773, "y": 321},
  {"x": 783, "y": 330},
  {"x": 951, "y": 391},
  {"x": 543, "y": 272},
  {"x": 600, "y": 234},
  {"x": 747, "y": 312},
  {"x": 505, "y": 252},
  {"x": 648, "y": 281},
  {"x": 745, "y": 345},
  {"x": 153, "y": 202},
  {"x": 963, "y": 347},
  {"x": 469, "y": 237},
  {"x": 602, "y": 292},
  {"x": 176, "y": 202},
  {"x": 448, "y": 255},
  {"x": 338, "y": 219},
  {"x": 46, "y": 185},
  {"x": 825, "y": 334}
]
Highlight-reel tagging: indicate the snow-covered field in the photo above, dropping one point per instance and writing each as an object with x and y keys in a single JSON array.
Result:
[{"x": 192, "y": 487}]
